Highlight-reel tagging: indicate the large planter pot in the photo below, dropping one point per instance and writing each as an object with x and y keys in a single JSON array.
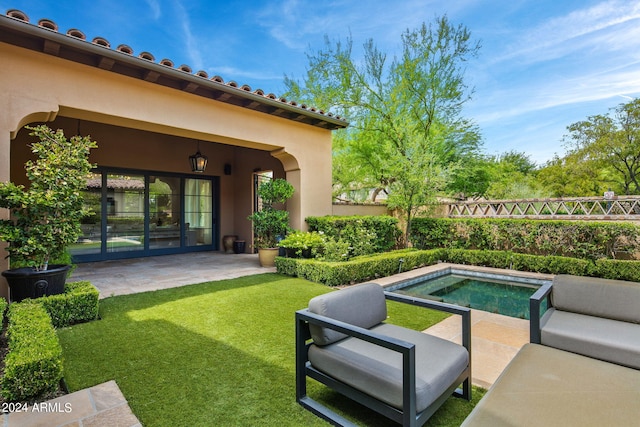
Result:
[
  {"x": 29, "y": 283},
  {"x": 267, "y": 256}
]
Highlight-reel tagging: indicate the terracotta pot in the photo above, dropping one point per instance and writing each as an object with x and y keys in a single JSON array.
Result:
[{"x": 267, "y": 256}]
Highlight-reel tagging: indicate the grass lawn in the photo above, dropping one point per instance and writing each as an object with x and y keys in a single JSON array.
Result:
[{"x": 217, "y": 353}]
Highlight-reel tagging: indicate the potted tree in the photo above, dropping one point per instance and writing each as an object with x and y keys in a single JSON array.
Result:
[
  {"x": 270, "y": 223},
  {"x": 45, "y": 217}
]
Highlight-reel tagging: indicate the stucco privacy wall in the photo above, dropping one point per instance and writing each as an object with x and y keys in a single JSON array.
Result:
[{"x": 37, "y": 87}]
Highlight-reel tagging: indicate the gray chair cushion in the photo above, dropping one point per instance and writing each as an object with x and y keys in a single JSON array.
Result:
[
  {"x": 612, "y": 299},
  {"x": 340, "y": 305},
  {"x": 605, "y": 339},
  {"x": 377, "y": 371}
]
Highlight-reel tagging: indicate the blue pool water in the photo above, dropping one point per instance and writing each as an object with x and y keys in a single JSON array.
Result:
[{"x": 493, "y": 295}]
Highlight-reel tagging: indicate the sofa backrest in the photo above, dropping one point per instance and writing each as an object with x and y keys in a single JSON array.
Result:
[
  {"x": 611, "y": 299},
  {"x": 360, "y": 305}
]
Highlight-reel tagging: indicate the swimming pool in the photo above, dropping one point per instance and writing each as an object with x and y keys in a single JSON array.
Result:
[{"x": 495, "y": 293}]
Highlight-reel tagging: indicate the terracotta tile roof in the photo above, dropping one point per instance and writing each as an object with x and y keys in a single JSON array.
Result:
[{"x": 46, "y": 37}]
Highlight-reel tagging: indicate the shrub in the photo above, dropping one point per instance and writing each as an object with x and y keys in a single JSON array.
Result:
[
  {"x": 336, "y": 250},
  {"x": 576, "y": 239},
  {"x": 302, "y": 244},
  {"x": 79, "y": 303},
  {"x": 381, "y": 265},
  {"x": 33, "y": 365},
  {"x": 520, "y": 262},
  {"x": 3, "y": 307},
  {"x": 617, "y": 269},
  {"x": 358, "y": 269},
  {"x": 366, "y": 234}
]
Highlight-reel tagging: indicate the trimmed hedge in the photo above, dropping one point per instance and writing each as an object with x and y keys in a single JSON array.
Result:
[
  {"x": 576, "y": 239},
  {"x": 617, "y": 269},
  {"x": 520, "y": 262},
  {"x": 372, "y": 267},
  {"x": 79, "y": 303},
  {"x": 33, "y": 365},
  {"x": 358, "y": 269},
  {"x": 3, "y": 307},
  {"x": 380, "y": 232}
]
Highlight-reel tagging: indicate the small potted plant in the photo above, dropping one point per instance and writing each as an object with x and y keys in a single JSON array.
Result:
[
  {"x": 271, "y": 224},
  {"x": 45, "y": 217}
]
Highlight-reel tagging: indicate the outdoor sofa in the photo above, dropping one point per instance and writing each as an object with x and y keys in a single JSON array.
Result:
[
  {"x": 582, "y": 366},
  {"x": 403, "y": 374}
]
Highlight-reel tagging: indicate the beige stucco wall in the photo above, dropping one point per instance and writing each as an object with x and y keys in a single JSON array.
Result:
[{"x": 146, "y": 126}]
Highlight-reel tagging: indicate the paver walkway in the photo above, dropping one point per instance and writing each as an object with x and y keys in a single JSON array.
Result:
[{"x": 99, "y": 406}]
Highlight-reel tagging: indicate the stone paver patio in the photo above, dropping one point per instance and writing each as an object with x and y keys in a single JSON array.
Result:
[
  {"x": 99, "y": 406},
  {"x": 129, "y": 276}
]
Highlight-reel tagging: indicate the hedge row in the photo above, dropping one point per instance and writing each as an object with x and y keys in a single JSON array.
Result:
[
  {"x": 79, "y": 303},
  {"x": 381, "y": 232},
  {"x": 370, "y": 268},
  {"x": 576, "y": 239},
  {"x": 33, "y": 365},
  {"x": 357, "y": 269}
]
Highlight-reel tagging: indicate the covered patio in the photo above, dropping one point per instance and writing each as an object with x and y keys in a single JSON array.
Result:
[
  {"x": 129, "y": 276},
  {"x": 149, "y": 118}
]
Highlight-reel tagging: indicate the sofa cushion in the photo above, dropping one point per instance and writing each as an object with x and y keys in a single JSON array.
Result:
[
  {"x": 597, "y": 337},
  {"x": 543, "y": 386},
  {"x": 377, "y": 371},
  {"x": 339, "y": 305},
  {"x": 613, "y": 299}
]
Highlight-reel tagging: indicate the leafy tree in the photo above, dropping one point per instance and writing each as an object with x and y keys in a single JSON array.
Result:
[
  {"x": 571, "y": 175},
  {"x": 513, "y": 176},
  {"x": 405, "y": 113},
  {"x": 45, "y": 217},
  {"x": 610, "y": 144}
]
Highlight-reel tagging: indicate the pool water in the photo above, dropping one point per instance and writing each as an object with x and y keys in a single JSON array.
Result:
[{"x": 495, "y": 296}]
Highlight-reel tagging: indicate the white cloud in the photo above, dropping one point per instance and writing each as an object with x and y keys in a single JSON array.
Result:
[
  {"x": 578, "y": 30},
  {"x": 154, "y": 6},
  {"x": 191, "y": 44}
]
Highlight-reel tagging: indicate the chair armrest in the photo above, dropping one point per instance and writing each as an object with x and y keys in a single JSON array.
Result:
[
  {"x": 535, "y": 302},
  {"x": 464, "y": 312},
  {"x": 355, "y": 331}
]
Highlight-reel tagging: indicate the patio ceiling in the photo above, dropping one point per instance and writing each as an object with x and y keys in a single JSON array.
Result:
[{"x": 15, "y": 29}]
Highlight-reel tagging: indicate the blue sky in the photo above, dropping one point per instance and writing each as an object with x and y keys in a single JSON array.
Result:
[{"x": 543, "y": 65}]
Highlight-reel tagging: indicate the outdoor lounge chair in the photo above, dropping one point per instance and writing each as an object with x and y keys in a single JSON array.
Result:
[{"x": 403, "y": 374}]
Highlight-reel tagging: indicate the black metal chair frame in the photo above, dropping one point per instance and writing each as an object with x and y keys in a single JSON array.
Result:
[
  {"x": 535, "y": 303},
  {"x": 408, "y": 416}
]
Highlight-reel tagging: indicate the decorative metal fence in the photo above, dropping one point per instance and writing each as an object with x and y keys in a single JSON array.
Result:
[{"x": 574, "y": 208}]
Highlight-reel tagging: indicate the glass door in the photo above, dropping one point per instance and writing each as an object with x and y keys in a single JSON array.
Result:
[
  {"x": 198, "y": 212},
  {"x": 135, "y": 214},
  {"x": 125, "y": 213},
  {"x": 165, "y": 219}
]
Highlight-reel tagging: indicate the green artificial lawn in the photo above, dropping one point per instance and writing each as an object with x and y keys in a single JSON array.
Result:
[{"x": 218, "y": 353}]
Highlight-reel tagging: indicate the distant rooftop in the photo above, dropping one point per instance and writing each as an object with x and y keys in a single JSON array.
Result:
[{"x": 16, "y": 29}]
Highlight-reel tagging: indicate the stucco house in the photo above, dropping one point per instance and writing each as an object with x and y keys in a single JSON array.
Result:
[{"x": 149, "y": 117}]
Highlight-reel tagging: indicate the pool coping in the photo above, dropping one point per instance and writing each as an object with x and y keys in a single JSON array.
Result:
[{"x": 405, "y": 278}]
